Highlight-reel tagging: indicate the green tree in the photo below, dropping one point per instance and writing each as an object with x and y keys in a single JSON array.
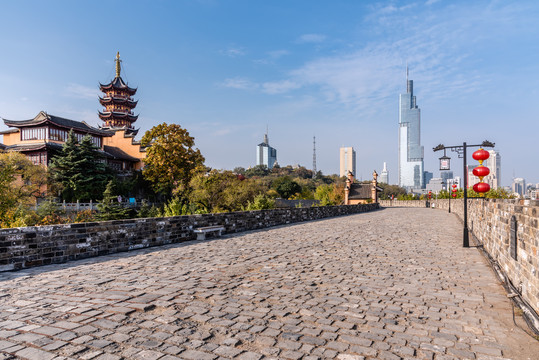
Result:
[
  {"x": 286, "y": 187},
  {"x": 109, "y": 208},
  {"x": 95, "y": 175},
  {"x": 260, "y": 202},
  {"x": 258, "y": 170},
  {"x": 171, "y": 159},
  {"x": 330, "y": 194},
  {"x": 239, "y": 170},
  {"x": 390, "y": 190},
  {"x": 65, "y": 167},
  {"x": 221, "y": 191},
  {"x": 79, "y": 169}
]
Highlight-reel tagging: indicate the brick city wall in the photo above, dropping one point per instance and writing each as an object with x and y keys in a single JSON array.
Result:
[
  {"x": 41, "y": 245},
  {"x": 489, "y": 220}
]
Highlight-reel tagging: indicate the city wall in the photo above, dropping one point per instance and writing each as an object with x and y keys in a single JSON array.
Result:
[
  {"x": 41, "y": 245},
  {"x": 489, "y": 220}
]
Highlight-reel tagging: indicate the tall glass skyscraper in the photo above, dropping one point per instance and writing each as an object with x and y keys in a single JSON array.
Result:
[{"x": 410, "y": 150}]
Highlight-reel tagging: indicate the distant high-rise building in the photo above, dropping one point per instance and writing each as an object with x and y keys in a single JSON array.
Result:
[
  {"x": 427, "y": 175},
  {"x": 411, "y": 166},
  {"x": 519, "y": 186},
  {"x": 384, "y": 175},
  {"x": 494, "y": 165},
  {"x": 446, "y": 176},
  {"x": 435, "y": 185},
  {"x": 472, "y": 179},
  {"x": 265, "y": 154},
  {"x": 348, "y": 161}
]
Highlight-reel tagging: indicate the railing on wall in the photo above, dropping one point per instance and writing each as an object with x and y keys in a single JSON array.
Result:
[{"x": 81, "y": 206}]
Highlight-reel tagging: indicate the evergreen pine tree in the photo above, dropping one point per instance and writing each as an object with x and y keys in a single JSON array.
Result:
[
  {"x": 65, "y": 168},
  {"x": 109, "y": 208},
  {"x": 80, "y": 169},
  {"x": 95, "y": 176}
]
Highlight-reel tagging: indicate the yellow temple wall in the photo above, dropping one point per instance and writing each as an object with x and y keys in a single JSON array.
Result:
[
  {"x": 120, "y": 141},
  {"x": 11, "y": 139}
]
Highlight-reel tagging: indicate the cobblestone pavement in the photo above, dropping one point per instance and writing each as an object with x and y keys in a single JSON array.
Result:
[{"x": 390, "y": 284}]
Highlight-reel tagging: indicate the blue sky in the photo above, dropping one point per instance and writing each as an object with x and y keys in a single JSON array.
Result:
[{"x": 225, "y": 70}]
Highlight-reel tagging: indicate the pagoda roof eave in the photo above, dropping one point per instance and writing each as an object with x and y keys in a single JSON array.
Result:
[
  {"x": 118, "y": 83},
  {"x": 112, "y": 100},
  {"x": 115, "y": 115}
]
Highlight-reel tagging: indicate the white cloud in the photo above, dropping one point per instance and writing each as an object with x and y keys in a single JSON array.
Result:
[
  {"x": 81, "y": 91},
  {"x": 312, "y": 38},
  {"x": 239, "y": 83},
  {"x": 431, "y": 2},
  {"x": 234, "y": 52},
  {"x": 279, "y": 87}
]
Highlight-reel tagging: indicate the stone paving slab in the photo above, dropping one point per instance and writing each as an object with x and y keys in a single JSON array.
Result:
[{"x": 392, "y": 284}]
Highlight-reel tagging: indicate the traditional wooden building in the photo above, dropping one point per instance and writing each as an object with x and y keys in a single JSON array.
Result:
[
  {"x": 361, "y": 193},
  {"x": 42, "y": 137}
]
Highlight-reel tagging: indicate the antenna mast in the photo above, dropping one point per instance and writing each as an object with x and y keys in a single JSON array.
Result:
[{"x": 314, "y": 157}]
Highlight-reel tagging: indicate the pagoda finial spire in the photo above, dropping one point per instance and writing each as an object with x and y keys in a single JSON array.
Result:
[{"x": 118, "y": 66}]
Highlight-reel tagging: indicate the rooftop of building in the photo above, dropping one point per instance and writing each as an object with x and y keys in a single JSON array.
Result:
[{"x": 43, "y": 118}]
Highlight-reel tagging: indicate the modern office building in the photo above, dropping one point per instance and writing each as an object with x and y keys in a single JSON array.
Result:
[
  {"x": 435, "y": 185},
  {"x": 519, "y": 186},
  {"x": 265, "y": 154},
  {"x": 446, "y": 175},
  {"x": 348, "y": 161},
  {"x": 384, "y": 175},
  {"x": 427, "y": 176},
  {"x": 495, "y": 167},
  {"x": 411, "y": 166}
]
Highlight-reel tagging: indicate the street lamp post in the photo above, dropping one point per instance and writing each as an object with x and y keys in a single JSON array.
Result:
[{"x": 461, "y": 151}]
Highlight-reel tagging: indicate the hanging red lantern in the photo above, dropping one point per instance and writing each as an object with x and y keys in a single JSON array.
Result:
[
  {"x": 481, "y": 187},
  {"x": 481, "y": 171},
  {"x": 454, "y": 190},
  {"x": 481, "y": 155},
  {"x": 454, "y": 194}
]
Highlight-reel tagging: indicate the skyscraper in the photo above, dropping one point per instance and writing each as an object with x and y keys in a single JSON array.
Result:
[
  {"x": 494, "y": 163},
  {"x": 384, "y": 175},
  {"x": 348, "y": 161},
  {"x": 410, "y": 150},
  {"x": 519, "y": 186},
  {"x": 265, "y": 154}
]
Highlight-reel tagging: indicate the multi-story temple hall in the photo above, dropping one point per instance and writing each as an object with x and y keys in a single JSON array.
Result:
[{"x": 42, "y": 137}]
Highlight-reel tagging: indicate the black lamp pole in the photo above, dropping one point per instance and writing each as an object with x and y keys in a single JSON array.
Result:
[
  {"x": 461, "y": 151},
  {"x": 465, "y": 238}
]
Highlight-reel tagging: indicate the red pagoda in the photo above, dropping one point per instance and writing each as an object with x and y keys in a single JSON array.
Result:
[{"x": 118, "y": 102}]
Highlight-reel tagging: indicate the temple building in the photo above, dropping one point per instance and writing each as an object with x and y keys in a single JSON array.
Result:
[
  {"x": 42, "y": 137},
  {"x": 118, "y": 102}
]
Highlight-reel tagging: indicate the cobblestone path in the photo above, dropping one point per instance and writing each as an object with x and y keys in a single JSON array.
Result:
[{"x": 391, "y": 284}]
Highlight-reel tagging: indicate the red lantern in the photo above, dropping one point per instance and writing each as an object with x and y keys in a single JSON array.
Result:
[
  {"x": 481, "y": 155},
  {"x": 454, "y": 186},
  {"x": 481, "y": 187},
  {"x": 481, "y": 171},
  {"x": 454, "y": 194}
]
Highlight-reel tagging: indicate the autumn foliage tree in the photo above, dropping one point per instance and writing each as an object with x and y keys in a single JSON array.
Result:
[
  {"x": 21, "y": 183},
  {"x": 171, "y": 159}
]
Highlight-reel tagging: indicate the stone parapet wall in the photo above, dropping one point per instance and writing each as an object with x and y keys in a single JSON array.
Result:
[
  {"x": 489, "y": 220},
  {"x": 41, "y": 245}
]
